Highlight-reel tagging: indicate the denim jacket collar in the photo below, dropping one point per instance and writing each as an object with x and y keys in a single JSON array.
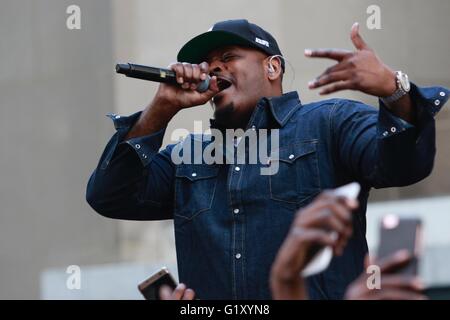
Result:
[{"x": 281, "y": 107}]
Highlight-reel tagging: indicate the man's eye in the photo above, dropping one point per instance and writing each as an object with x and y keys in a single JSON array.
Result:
[{"x": 228, "y": 57}]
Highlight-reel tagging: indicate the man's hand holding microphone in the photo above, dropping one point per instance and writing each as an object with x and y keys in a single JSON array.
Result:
[{"x": 170, "y": 98}]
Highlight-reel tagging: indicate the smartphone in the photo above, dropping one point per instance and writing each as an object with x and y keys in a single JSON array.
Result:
[
  {"x": 401, "y": 233},
  {"x": 150, "y": 287}
]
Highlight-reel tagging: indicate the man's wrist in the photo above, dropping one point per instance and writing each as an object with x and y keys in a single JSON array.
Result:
[
  {"x": 163, "y": 106},
  {"x": 402, "y": 87},
  {"x": 288, "y": 289},
  {"x": 391, "y": 83},
  {"x": 154, "y": 118}
]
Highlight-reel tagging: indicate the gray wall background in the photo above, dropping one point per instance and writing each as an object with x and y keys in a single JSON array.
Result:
[{"x": 56, "y": 85}]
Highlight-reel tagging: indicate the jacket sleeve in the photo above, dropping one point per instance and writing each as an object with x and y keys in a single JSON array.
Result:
[
  {"x": 382, "y": 150},
  {"x": 133, "y": 181}
]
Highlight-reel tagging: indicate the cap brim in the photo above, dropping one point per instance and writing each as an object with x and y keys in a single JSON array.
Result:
[{"x": 196, "y": 50}]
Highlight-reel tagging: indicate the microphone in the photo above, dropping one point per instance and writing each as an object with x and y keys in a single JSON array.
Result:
[{"x": 155, "y": 74}]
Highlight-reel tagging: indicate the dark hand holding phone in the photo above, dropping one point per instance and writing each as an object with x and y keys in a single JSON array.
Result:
[{"x": 150, "y": 287}]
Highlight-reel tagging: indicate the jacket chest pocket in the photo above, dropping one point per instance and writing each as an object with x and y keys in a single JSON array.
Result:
[
  {"x": 295, "y": 170},
  {"x": 195, "y": 186}
]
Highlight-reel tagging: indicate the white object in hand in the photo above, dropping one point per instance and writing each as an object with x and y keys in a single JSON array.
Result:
[{"x": 323, "y": 257}]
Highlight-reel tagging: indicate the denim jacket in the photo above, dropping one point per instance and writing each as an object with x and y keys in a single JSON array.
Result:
[{"x": 230, "y": 220}]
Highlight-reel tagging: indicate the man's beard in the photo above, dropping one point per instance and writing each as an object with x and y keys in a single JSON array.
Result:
[{"x": 224, "y": 116}]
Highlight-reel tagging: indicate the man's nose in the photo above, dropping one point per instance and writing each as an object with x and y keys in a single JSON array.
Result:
[{"x": 215, "y": 67}]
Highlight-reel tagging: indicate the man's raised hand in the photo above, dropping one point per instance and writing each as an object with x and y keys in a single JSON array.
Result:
[{"x": 360, "y": 70}]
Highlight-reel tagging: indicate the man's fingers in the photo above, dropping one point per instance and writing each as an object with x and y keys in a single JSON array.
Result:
[
  {"x": 195, "y": 76},
  {"x": 196, "y": 72},
  {"x": 343, "y": 65},
  {"x": 330, "y": 214},
  {"x": 392, "y": 287},
  {"x": 342, "y": 211},
  {"x": 189, "y": 75},
  {"x": 332, "y": 209},
  {"x": 204, "y": 68},
  {"x": 394, "y": 262},
  {"x": 202, "y": 97},
  {"x": 188, "y": 72},
  {"x": 189, "y": 294},
  {"x": 317, "y": 214},
  {"x": 335, "y": 54},
  {"x": 213, "y": 88},
  {"x": 351, "y": 203},
  {"x": 330, "y": 195},
  {"x": 396, "y": 294},
  {"x": 178, "y": 292},
  {"x": 330, "y": 78},
  {"x": 292, "y": 254},
  {"x": 357, "y": 40},
  {"x": 332, "y": 222},
  {"x": 165, "y": 293},
  {"x": 299, "y": 238},
  {"x": 314, "y": 236},
  {"x": 338, "y": 86},
  {"x": 346, "y": 64},
  {"x": 177, "y": 67},
  {"x": 401, "y": 282}
]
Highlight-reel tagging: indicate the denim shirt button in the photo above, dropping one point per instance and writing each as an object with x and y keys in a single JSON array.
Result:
[
  {"x": 144, "y": 156},
  {"x": 442, "y": 94},
  {"x": 291, "y": 156},
  {"x": 117, "y": 117},
  {"x": 437, "y": 102},
  {"x": 194, "y": 174},
  {"x": 237, "y": 168},
  {"x": 393, "y": 129},
  {"x": 236, "y": 210},
  {"x": 137, "y": 146},
  {"x": 238, "y": 256}
]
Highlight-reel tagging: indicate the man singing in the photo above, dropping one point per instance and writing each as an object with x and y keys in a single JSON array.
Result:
[{"x": 230, "y": 219}]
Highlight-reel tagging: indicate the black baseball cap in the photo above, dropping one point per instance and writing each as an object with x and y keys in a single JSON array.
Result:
[{"x": 226, "y": 33}]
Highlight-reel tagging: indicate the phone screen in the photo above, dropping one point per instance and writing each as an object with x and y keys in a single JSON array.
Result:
[{"x": 401, "y": 233}]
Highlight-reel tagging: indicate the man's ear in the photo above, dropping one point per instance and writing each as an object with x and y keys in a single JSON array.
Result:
[{"x": 274, "y": 69}]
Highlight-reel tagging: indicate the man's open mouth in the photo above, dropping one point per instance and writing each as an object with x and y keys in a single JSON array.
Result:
[{"x": 223, "y": 83}]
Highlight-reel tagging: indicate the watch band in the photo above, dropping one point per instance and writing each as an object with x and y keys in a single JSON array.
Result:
[{"x": 400, "y": 92}]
